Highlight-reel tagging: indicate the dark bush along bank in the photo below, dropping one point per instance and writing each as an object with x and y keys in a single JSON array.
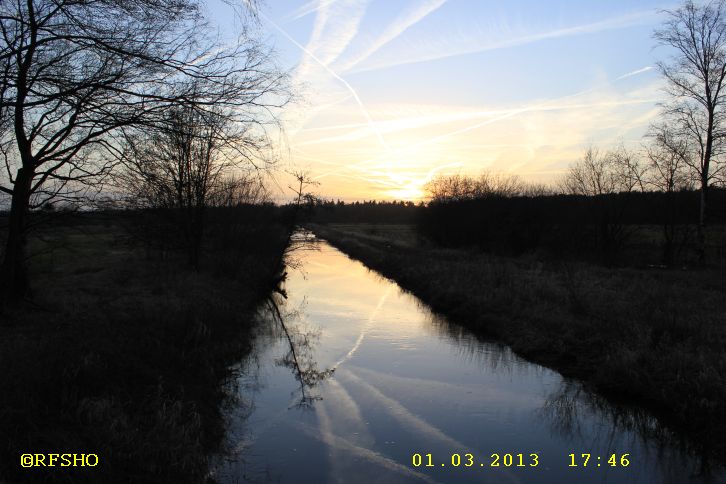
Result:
[{"x": 618, "y": 229}]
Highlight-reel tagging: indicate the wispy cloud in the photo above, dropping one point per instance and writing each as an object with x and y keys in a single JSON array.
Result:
[
  {"x": 325, "y": 66},
  {"x": 336, "y": 24},
  {"x": 596, "y": 108},
  {"x": 485, "y": 117},
  {"x": 404, "y": 21},
  {"x": 389, "y": 145},
  {"x": 308, "y": 8},
  {"x": 470, "y": 42}
]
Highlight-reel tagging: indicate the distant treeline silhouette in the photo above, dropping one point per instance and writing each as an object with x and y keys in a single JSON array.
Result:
[
  {"x": 634, "y": 228},
  {"x": 612, "y": 228},
  {"x": 373, "y": 212}
]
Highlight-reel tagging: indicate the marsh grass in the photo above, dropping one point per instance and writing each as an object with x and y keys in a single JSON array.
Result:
[
  {"x": 652, "y": 337},
  {"x": 125, "y": 355}
]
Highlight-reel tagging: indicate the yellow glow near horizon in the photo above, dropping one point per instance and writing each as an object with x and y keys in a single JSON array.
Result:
[
  {"x": 411, "y": 193},
  {"x": 536, "y": 142}
]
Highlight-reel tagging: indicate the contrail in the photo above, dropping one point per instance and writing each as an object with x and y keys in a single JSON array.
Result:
[
  {"x": 635, "y": 73},
  {"x": 309, "y": 8},
  {"x": 544, "y": 106},
  {"x": 353, "y": 92},
  {"x": 396, "y": 29}
]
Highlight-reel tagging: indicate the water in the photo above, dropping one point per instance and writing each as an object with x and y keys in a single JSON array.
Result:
[{"x": 376, "y": 380}]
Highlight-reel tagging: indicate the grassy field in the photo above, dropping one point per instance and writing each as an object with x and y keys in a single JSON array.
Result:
[
  {"x": 652, "y": 337},
  {"x": 123, "y": 353}
]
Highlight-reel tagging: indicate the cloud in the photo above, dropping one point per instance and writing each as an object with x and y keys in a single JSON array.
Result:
[
  {"x": 536, "y": 139},
  {"x": 336, "y": 24},
  {"x": 312, "y": 56},
  {"x": 400, "y": 25},
  {"x": 308, "y": 8},
  {"x": 469, "y": 42},
  {"x": 482, "y": 118}
]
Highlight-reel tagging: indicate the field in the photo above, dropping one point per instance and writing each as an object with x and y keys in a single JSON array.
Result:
[
  {"x": 651, "y": 337},
  {"x": 123, "y": 353}
]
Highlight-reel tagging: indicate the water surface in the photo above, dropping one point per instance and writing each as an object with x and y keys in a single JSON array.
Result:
[{"x": 362, "y": 376}]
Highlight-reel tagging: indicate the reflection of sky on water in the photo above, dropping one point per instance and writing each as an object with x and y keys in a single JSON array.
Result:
[{"x": 406, "y": 381}]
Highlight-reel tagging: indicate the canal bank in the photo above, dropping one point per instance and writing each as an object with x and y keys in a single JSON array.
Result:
[
  {"x": 655, "y": 338},
  {"x": 354, "y": 380}
]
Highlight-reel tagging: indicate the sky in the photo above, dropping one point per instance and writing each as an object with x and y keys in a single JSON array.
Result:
[{"x": 395, "y": 92}]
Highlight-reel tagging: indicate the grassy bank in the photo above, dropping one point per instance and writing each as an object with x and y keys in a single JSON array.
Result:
[
  {"x": 123, "y": 351},
  {"x": 655, "y": 337}
]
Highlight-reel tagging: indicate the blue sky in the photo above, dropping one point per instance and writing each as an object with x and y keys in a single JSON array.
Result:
[{"x": 397, "y": 91}]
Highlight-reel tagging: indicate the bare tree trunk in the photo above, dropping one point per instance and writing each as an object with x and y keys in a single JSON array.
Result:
[
  {"x": 701, "y": 235},
  {"x": 13, "y": 272},
  {"x": 669, "y": 228},
  {"x": 701, "y": 243}
]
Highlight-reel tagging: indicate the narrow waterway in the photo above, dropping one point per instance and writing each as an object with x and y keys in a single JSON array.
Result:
[{"x": 362, "y": 383}]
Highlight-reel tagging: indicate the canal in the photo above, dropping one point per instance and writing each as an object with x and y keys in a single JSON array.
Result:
[{"x": 354, "y": 380}]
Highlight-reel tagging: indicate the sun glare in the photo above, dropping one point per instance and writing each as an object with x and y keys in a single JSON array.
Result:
[{"x": 412, "y": 192}]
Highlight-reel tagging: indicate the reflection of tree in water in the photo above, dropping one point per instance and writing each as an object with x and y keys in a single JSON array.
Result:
[
  {"x": 300, "y": 358},
  {"x": 479, "y": 349},
  {"x": 574, "y": 411}
]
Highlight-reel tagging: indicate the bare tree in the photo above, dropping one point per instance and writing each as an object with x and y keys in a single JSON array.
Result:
[
  {"x": 498, "y": 185},
  {"x": 603, "y": 173},
  {"x": 176, "y": 167},
  {"x": 591, "y": 175},
  {"x": 76, "y": 76},
  {"x": 695, "y": 80},
  {"x": 600, "y": 177},
  {"x": 194, "y": 160},
  {"x": 451, "y": 188},
  {"x": 627, "y": 169},
  {"x": 668, "y": 157},
  {"x": 241, "y": 187}
]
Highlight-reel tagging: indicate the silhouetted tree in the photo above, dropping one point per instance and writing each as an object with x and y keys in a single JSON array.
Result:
[
  {"x": 668, "y": 157},
  {"x": 463, "y": 187},
  {"x": 629, "y": 172},
  {"x": 177, "y": 167},
  {"x": 76, "y": 76},
  {"x": 602, "y": 173},
  {"x": 598, "y": 175},
  {"x": 695, "y": 80},
  {"x": 591, "y": 175}
]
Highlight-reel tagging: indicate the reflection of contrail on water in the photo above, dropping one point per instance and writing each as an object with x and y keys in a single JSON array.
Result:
[
  {"x": 363, "y": 453},
  {"x": 325, "y": 427},
  {"x": 416, "y": 423},
  {"x": 349, "y": 407},
  {"x": 366, "y": 328},
  {"x": 351, "y": 426},
  {"x": 403, "y": 414}
]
